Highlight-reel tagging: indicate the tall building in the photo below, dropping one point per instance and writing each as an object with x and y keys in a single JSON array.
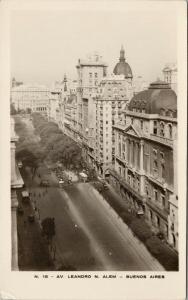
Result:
[
  {"x": 114, "y": 93},
  {"x": 170, "y": 72},
  {"x": 145, "y": 158},
  {"x": 90, "y": 73}
]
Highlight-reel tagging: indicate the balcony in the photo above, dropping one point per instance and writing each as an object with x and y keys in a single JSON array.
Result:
[
  {"x": 121, "y": 159},
  {"x": 161, "y": 140},
  {"x": 127, "y": 186},
  {"x": 157, "y": 180},
  {"x": 157, "y": 208}
]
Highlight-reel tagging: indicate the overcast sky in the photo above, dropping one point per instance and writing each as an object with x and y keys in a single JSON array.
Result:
[{"x": 47, "y": 44}]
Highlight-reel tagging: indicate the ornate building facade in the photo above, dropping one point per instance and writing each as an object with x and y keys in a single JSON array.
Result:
[
  {"x": 114, "y": 94},
  {"x": 90, "y": 73},
  {"x": 145, "y": 158}
]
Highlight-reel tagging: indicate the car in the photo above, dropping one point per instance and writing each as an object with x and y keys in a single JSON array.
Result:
[
  {"x": 61, "y": 181},
  {"x": 25, "y": 196},
  {"x": 45, "y": 183},
  {"x": 20, "y": 165},
  {"x": 31, "y": 218}
]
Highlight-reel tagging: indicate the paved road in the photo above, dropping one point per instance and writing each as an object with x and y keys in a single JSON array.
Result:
[{"x": 87, "y": 236}]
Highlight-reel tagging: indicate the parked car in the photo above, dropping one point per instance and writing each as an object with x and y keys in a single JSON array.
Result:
[
  {"x": 61, "y": 182},
  {"x": 31, "y": 218},
  {"x": 25, "y": 196},
  {"x": 20, "y": 165},
  {"x": 45, "y": 183}
]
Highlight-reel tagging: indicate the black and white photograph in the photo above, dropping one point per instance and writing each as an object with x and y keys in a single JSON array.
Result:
[
  {"x": 94, "y": 97},
  {"x": 94, "y": 141}
]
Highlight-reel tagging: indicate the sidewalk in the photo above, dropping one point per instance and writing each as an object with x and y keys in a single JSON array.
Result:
[{"x": 33, "y": 251}]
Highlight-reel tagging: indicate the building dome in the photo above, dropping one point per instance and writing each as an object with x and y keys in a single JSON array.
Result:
[
  {"x": 122, "y": 67},
  {"x": 159, "y": 98}
]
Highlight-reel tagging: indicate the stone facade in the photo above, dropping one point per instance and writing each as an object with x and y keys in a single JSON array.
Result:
[{"x": 145, "y": 159}]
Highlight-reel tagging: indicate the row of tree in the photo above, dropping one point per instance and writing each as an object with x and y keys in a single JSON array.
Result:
[
  {"x": 55, "y": 145},
  {"x": 27, "y": 150}
]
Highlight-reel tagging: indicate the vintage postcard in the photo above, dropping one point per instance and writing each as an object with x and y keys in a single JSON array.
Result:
[{"x": 93, "y": 150}]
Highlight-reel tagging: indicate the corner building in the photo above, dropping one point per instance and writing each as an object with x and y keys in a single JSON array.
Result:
[
  {"x": 145, "y": 158},
  {"x": 90, "y": 72},
  {"x": 114, "y": 94}
]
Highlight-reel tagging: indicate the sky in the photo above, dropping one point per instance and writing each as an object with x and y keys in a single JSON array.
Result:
[{"x": 47, "y": 44}]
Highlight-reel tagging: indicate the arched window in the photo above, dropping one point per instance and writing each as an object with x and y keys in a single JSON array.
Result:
[
  {"x": 162, "y": 170},
  {"x": 155, "y": 127},
  {"x": 162, "y": 129},
  {"x": 170, "y": 131},
  {"x": 157, "y": 221}
]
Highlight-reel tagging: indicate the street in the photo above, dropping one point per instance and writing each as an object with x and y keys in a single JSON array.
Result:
[{"x": 87, "y": 236}]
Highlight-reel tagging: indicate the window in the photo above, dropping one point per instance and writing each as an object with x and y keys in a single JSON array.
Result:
[
  {"x": 106, "y": 122},
  {"x": 90, "y": 75},
  {"x": 170, "y": 130},
  {"x": 161, "y": 156},
  {"x": 155, "y": 127},
  {"x": 157, "y": 221},
  {"x": 119, "y": 149},
  {"x": 131, "y": 120},
  {"x": 162, "y": 170},
  {"x": 106, "y": 157},
  {"x": 141, "y": 124},
  {"x": 163, "y": 200},
  {"x": 162, "y": 129},
  {"x": 155, "y": 164},
  {"x": 155, "y": 195},
  {"x": 96, "y": 75},
  {"x": 120, "y": 170},
  {"x": 150, "y": 215}
]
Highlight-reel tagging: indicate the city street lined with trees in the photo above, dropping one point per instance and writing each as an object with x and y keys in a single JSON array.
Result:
[{"x": 85, "y": 234}]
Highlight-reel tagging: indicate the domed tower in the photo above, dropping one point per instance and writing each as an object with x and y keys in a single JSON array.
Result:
[{"x": 122, "y": 67}]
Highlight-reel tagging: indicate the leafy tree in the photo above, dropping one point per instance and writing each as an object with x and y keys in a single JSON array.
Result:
[
  {"x": 48, "y": 228},
  {"x": 28, "y": 159}
]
